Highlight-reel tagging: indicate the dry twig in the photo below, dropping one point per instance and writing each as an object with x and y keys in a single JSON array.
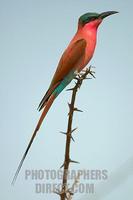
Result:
[{"x": 66, "y": 193}]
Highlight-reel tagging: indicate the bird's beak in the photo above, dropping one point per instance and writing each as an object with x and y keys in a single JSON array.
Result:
[{"x": 106, "y": 14}]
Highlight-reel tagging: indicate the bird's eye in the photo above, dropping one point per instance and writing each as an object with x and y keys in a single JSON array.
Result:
[{"x": 93, "y": 18}]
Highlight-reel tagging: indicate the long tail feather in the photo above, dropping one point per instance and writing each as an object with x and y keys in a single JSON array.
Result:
[
  {"x": 46, "y": 109},
  {"x": 47, "y": 95}
]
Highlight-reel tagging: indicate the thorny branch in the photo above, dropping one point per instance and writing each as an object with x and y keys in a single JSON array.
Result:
[{"x": 66, "y": 193}]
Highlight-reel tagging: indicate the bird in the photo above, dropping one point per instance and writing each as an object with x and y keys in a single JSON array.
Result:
[{"x": 75, "y": 57}]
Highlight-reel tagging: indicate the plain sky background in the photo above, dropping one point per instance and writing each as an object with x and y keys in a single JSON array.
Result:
[{"x": 33, "y": 35}]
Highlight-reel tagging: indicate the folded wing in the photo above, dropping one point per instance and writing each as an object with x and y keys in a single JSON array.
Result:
[{"x": 69, "y": 60}]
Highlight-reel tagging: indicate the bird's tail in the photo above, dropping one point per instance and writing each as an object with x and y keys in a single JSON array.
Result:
[{"x": 46, "y": 109}]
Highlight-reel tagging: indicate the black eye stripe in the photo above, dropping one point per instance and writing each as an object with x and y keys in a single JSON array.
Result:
[
  {"x": 90, "y": 19},
  {"x": 93, "y": 18}
]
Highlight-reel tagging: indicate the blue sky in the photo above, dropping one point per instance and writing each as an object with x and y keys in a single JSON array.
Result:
[{"x": 33, "y": 36}]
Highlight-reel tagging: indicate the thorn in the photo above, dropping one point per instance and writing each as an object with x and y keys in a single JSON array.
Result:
[
  {"x": 76, "y": 109},
  {"x": 70, "y": 89},
  {"x": 92, "y": 74},
  {"x": 73, "y": 161},
  {"x": 72, "y": 139},
  {"x": 70, "y": 191},
  {"x": 57, "y": 191},
  {"x": 74, "y": 130},
  {"x": 62, "y": 166},
  {"x": 63, "y": 132}
]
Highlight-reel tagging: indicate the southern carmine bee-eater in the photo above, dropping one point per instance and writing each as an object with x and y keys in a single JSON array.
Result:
[{"x": 77, "y": 55}]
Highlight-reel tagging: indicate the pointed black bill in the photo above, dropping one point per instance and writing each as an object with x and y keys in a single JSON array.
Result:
[{"x": 106, "y": 14}]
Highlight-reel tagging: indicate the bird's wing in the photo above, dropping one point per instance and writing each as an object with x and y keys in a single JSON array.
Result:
[{"x": 68, "y": 61}]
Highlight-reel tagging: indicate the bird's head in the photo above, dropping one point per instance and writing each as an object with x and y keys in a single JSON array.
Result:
[{"x": 94, "y": 19}]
